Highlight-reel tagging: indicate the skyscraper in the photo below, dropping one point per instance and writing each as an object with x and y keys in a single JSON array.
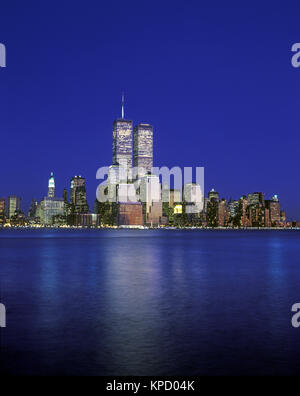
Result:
[
  {"x": 213, "y": 195},
  {"x": 33, "y": 208},
  {"x": 256, "y": 198},
  {"x": 150, "y": 196},
  {"x": 274, "y": 210},
  {"x": 78, "y": 195},
  {"x": 2, "y": 210},
  {"x": 122, "y": 144},
  {"x": 51, "y": 186},
  {"x": 13, "y": 205},
  {"x": 194, "y": 197},
  {"x": 143, "y": 149}
]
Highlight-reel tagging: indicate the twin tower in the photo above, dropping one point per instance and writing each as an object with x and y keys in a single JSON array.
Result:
[{"x": 129, "y": 152}]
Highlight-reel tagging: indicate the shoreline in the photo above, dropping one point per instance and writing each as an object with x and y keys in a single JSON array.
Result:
[{"x": 141, "y": 228}]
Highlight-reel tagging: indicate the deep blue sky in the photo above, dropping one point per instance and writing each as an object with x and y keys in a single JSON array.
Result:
[{"x": 214, "y": 78}]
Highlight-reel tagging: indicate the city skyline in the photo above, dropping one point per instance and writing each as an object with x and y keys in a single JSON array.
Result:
[
  {"x": 133, "y": 151},
  {"x": 212, "y": 104},
  {"x": 134, "y": 195}
]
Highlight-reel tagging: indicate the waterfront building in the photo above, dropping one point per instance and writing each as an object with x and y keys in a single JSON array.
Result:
[
  {"x": 13, "y": 206},
  {"x": 274, "y": 207},
  {"x": 143, "y": 150},
  {"x": 18, "y": 219},
  {"x": 170, "y": 198},
  {"x": 49, "y": 208},
  {"x": 175, "y": 197},
  {"x": 244, "y": 221},
  {"x": 151, "y": 198},
  {"x": 84, "y": 220},
  {"x": 2, "y": 211},
  {"x": 223, "y": 213},
  {"x": 193, "y": 196},
  {"x": 267, "y": 218},
  {"x": 212, "y": 216},
  {"x": 130, "y": 214}
]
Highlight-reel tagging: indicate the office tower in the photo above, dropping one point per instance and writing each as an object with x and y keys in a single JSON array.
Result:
[
  {"x": 51, "y": 186},
  {"x": 274, "y": 209},
  {"x": 126, "y": 193},
  {"x": 267, "y": 218},
  {"x": 213, "y": 195},
  {"x": 175, "y": 197},
  {"x": 143, "y": 150},
  {"x": 65, "y": 195},
  {"x": 51, "y": 207},
  {"x": 122, "y": 145},
  {"x": 67, "y": 205},
  {"x": 233, "y": 207},
  {"x": 33, "y": 208},
  {"x": 223, "y": 213},
  {"x": 116, "y": 175},
  {"x": 193, "y": 196},
  {"x": 170, "y": 198},
  {"x": 13, "y": 205},
  {"x": 244, "y": 220},
  {"x": 150, "y": 196},
  {"x": 212, "y": 213},
  {"x": 256, "y": 198},
  {"x": 78, "y": 199},
  {"x": 2, "y": 211}
]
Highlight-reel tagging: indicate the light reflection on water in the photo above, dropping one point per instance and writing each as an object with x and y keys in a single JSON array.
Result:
[{"x": 149, "y": 302}]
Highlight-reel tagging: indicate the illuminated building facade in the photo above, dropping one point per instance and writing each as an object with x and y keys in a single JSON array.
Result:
[
  {"x": 213, "y": 195},
  {"x": 143, "y": 149},
  {"x": 130, "y": 214},
  {"x": 13, "y": 205},
  {"x": 256, "y": 198},
  {"x": 122, "y": 145},
  {"x": 51, "y": 186},
  {"x": 51, "y": 207},
  {"x": 78, "y": 199},
  {"x": 274, "y": 208},
  {"x": 194, "y": 197},
  {"x": 2, "y": 211},
  {"x": 150, "y": 196}
]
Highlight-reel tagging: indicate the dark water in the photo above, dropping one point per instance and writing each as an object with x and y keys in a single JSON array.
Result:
[{"x": 149, "y": 302}]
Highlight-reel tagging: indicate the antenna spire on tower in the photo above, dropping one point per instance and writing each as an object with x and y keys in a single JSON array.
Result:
[{"x": 123, "y": 103}]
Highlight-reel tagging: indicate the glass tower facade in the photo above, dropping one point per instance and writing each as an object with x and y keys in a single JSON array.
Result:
[
  {"x": 122, "y": 144},
  {"x": 143, "y": 149}
]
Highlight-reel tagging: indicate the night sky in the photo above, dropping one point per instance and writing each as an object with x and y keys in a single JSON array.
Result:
[{"x": 214, "y": 78}]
